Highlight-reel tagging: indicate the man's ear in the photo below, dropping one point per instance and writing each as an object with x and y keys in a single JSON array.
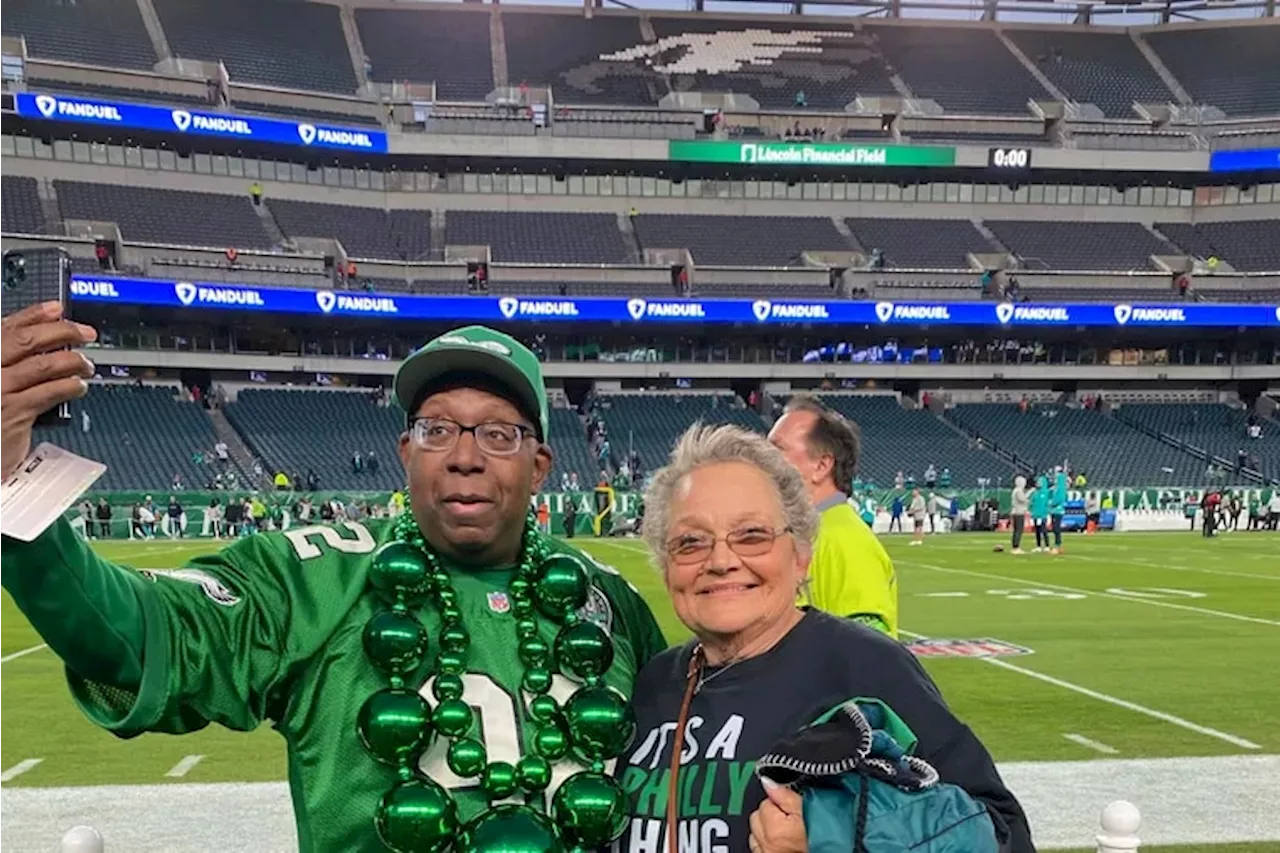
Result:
[
  {"x": 823, "y": 466},
  {"x": 405, "y": 449}
]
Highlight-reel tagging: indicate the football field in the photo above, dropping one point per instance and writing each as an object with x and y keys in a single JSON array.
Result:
[{"x": 1134, "y": 666}]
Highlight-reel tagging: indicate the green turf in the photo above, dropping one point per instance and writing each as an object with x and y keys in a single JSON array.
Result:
[{"x": 1185, "y": 648}]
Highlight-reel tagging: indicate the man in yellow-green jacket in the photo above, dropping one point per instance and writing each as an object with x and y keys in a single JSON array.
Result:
[{"x": 850, "y": 574}]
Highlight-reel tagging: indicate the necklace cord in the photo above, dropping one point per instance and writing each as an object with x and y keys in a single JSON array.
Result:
[{"x": 696, "y": 662}]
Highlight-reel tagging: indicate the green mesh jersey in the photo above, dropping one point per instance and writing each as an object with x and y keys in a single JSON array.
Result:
[{"x": 269, "y": 629}]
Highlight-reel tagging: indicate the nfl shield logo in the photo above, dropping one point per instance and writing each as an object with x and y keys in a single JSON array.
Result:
[{"x": 499, "y": 602}]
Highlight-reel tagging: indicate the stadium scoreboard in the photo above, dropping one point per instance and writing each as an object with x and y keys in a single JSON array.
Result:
[{"x": 1009, "y": 159}]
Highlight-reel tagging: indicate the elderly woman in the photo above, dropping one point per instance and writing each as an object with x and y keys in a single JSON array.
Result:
[{"x": 730, "y": 525}]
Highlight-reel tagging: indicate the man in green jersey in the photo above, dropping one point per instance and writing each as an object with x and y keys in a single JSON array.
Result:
[{"x": 437, "y": 677}]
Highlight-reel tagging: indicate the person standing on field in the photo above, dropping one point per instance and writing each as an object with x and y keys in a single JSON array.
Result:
[{"x": 1020, "y": 505}]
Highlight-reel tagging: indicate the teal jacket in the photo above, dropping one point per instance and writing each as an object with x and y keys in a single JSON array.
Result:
[
  {"x": 1040, "y": 498},
  {"x": 1058, "y": 500}
]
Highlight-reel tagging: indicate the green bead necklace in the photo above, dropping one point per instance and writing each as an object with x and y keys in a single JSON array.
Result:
[{"x": 397, "y": 724}]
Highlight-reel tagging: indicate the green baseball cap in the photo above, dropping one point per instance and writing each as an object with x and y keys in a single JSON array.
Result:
[{"x": 477, "y": 350}]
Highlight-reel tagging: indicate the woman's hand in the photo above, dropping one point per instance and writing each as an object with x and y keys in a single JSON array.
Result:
[{"x": 778, "y": 825}]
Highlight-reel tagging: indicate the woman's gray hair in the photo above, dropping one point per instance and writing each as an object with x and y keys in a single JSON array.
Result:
[{"x": 707, "y": 445}]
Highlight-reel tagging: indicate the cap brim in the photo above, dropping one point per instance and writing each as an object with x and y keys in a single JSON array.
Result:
[{"x": 419, "y": 371}]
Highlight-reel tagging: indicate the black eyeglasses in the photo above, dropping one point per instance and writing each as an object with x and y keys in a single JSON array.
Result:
[
  {"x": 688, "y": 549},
  {"x": 494, "y": 438}
]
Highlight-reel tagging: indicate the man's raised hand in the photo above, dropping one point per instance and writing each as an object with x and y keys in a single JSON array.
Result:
[{"x": 37, "y": 373}]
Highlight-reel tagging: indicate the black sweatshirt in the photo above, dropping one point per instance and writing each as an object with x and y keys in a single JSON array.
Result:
[{"x": 744, "y": 709}]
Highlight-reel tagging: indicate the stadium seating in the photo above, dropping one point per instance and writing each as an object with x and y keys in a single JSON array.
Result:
[
  {"x": 967, "y": 71},
  {"x": 1214, "y": 428},
  {"x": 538, "y": 237},
  {"x": 921, "y": 243},
  {"x": 20, "y": 206},
  {"x": 300, "y": 431},
  {"x": 1107, "y": 450},
  {"x": 772, "y": 62},
  {"x": 570, "y": 450},
  {"x": 114, "y": 93},
  {"x": 1248, "y": 245},
  {"x": 742, "y": 290},
  {"x": 293, "y": 45},
  {"x": 652, "y": 423},
  {"x": 442, "y": 46},
  {"x": 566, "y": 52},
  {"x": 1079, "y": 245},
  {"x": 1232, "y": 68},
  {"x": 98, "y": 32},
  {"x": 740, "y": 240},
  {"x": 143, "y": 435},
  {"x": 896, "y": 439},
  {"x": 1104, "y": 69},
  {"x": 365, "y": 232},
  {"x": 166, "y": 216}
]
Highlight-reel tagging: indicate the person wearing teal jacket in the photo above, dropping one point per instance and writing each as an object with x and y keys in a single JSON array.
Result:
[
  {"x": 1040, "y": 511},
  {"x": 1057, "y": 506}
]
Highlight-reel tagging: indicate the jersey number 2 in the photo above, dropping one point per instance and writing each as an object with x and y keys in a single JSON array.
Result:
[{"x": 300, "y": 539}]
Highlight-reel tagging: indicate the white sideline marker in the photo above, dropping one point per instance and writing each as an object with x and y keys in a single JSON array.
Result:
[
  {"x": 23, "y": 653},
  {"x": 183, "y": 767},
  {"x": 18, "y": 769},
  {"x": 1112, "y": 700},
  {"x": 1089, "y": 743}
]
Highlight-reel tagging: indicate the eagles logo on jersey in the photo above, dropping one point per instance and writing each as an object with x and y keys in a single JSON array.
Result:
[
  {"x": 214, "y": 589},
  {"x": 597, "y": 609}
]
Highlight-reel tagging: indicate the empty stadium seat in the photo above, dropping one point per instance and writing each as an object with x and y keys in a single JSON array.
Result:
[
  {"x": 1108, "y": 451},
  {"x": 652, "y": 423},
  {"x": 910, "y": 440},
  {"x": 97, "y": 32},
  {"x": 1079, "y": 245},
  {"x": 294, "y": 45},
  {"x": 570, "y": 450},
  {"x": 301, "y": 431},
  {"x": 740, "y": 240},
  {"x": 771, "y": 62},
  {"x": 443, "y": 46},
  {"x": 143, "y": 435},
  {"x": 20, "y": 205},
  {"x": 166, "y": 216},
  {"x": 1251, "y": 245},
  {"x": 365, "y": 232},
  {"x": 1215, "y": 428},
  {"x": 966, "y": 71},
  {"x": 1100, "y": 68},
  {"x": 1232, "y": 68},
  {"x": 921, "y": 243},
  {"x": 567, "y": 52},
  {"x": 539, "y": 237}
]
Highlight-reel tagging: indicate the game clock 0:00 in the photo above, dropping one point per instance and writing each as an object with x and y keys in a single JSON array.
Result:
[{"x": 1007, "y": 159}]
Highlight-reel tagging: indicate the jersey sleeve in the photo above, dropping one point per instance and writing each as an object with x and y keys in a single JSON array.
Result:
[
  {"x": 218, "y": 637},
  {"x": 632, "y": 617},
  {"x": 853, "y": 577}
]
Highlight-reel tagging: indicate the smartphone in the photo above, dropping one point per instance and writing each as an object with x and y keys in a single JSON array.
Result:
[{"x": 32, "y": 276}]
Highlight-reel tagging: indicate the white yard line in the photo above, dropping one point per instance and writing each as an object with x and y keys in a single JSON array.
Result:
[
  {"x": 1042, "y": 583},
  {"x": 1234, "y": 740},
  {"x": 23, "y": 653},
  {"x": 183, "y": 767},
  {"x": 1089, "y": 743},
  {"x": 1171, "y": 566},
  {"x": 18, "y": 769}
]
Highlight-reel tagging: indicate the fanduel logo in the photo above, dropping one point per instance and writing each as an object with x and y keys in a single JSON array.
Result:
[
  {"x": 326, "y": 300},
  {"x": 761, "y": 309},
  {"x": 102, "y": 289},
  {"x": 917, "y": 312},
  {"x": 366, "y": 304},
  {"x": 1004, "y": 312},
  {"x": 691, "y": 310},
  {"x": 210, "y": 124},
  {"x": 884, "y": 311},
  {"x": 803, "y": 311},
  {"x": 76, "y": 109},
  {"x": 307, "y": 133},
  {"x": 1159, "y": 315},
  {"x": 1038, "y": 314},
  {"x": 635, "y": 307},
  {"x": 538, "y": 307},
  {"x": 1122, "y": 313},
  {"x": 189, "y": 293}
]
